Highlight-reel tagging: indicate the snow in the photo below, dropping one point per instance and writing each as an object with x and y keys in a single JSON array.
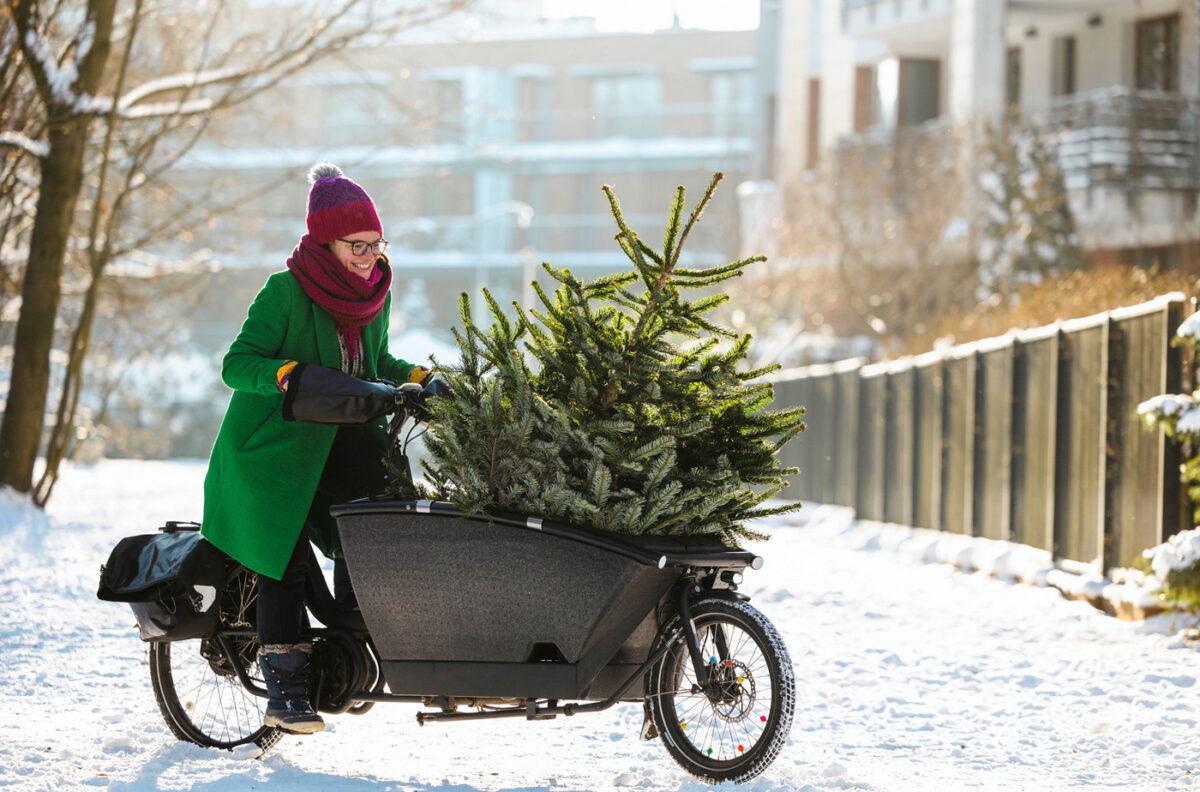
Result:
[
  {"x": 156, "y": 109},
  {"x": 990, "y": 182},
  {"x": 1046, "y": 252},
  {"x": 1167, "y": 404},
  {"x": 622, "y": 148},
  {"x": 38, "y": 148},
  {"x": 61, "y": 81},
  {"x": 1177, "y": 553},
  {"x": 86, "y": 103},
  {"x": 1189, "y": 422},
  {"x": 174, "y": 82},
  {"x": 912, "y": 676},
  {"x": 1190, "y": 327}
]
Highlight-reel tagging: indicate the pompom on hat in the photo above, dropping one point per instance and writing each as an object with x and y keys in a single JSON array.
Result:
[{"x": 337, "y": 206}]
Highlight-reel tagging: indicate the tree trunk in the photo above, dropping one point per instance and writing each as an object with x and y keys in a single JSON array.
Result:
[
  {"x": 61, "y": 179},
  {"x": 24, "y": 415}
]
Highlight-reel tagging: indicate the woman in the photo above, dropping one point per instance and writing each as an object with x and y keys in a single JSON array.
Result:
[{"x": 270, "y": 482}]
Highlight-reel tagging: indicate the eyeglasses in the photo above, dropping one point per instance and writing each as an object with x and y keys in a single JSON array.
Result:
[{"x": 358, "y": 248}]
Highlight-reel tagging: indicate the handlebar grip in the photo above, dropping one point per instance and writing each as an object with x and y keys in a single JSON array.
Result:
[
  {"x": 437, "y": 388},
  {"x": 319, "y": 394}
]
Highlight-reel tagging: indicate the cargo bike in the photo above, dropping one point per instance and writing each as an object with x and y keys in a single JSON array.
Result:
[{"x": 504, "y": 617}]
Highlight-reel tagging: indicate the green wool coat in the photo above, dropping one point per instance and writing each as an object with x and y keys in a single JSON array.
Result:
[{"x": 263, "y": 471}]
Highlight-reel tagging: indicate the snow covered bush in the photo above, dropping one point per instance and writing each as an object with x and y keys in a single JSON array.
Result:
[
  {"x": 1028, "y": 228},
  {"x": 1178, "y": 414},
  {"x": 1175, "y": 564}
]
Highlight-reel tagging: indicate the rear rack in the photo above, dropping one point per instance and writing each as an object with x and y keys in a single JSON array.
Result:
[{"x": 628, "y": 546}]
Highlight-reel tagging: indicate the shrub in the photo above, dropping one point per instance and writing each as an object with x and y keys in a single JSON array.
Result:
[
  {"x": 1176, "y": 562},
  {"x": 1176, "y": 565}
]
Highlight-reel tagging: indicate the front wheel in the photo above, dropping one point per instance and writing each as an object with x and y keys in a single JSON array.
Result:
[{"x": 732, "y": 730}]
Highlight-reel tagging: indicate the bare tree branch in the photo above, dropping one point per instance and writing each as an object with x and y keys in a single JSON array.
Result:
[{"x": 15, "y": 140}]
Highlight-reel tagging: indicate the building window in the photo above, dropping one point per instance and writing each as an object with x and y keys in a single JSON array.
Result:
[
  {"x": 533, "y": 97},
  {"x": 1157, "y": 54},
  {"x": 1062, "y": 66},
  {"x": 814, "y": 123},
  {"x": 448, "y": 111},
  {"x": 1012, "y": 77},
  {"x": 919, "y": 97},
  {"x": 353, "y": 112},
  {"x": 732, "y": 103},
  {"x": 866, "y": 98},
  {"x": 626, "y": 105}
]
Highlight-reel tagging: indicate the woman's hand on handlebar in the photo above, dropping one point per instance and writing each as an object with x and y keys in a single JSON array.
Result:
[
  {"x": 435, "y": 386},
  {"x": 415, "y": 396},
  {"x": 320, "y": 394}
]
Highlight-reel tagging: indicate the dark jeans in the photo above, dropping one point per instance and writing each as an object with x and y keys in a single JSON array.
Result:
[{"x": 352, "y": 470}]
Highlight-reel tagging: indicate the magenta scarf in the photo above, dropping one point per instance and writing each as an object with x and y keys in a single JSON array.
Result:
[{"x": 353, "y": 302}]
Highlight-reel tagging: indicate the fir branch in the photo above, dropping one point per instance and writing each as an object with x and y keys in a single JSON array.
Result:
[
  {"x": 727, "y": 270},
  {"x": 651, "y": 253},
  {"x": 676, "y": 215},
  {"x": 695, "y": 218}
]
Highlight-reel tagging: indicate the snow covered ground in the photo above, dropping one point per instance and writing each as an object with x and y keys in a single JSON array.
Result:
[{"x": 910, "y": 676}]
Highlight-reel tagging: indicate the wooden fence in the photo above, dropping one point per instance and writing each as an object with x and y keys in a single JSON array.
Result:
[{"x": 1031, "y": 437}]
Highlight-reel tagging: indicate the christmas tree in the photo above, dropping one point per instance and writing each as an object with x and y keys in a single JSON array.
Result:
[{"x": 618, "y": 405}]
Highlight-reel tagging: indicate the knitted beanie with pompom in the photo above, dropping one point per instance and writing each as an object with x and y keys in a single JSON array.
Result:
[{"x": 337, "y": 206}]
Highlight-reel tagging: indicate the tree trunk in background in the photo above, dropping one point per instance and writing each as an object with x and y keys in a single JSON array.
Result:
[
  {"x": 61, "y": 179},
  {"x": 21, "y": 430}
]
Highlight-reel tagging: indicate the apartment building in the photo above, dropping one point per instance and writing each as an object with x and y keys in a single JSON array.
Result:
[
  {"x": 1114, "y": 86},
  {"x": 487, "y": 157}
]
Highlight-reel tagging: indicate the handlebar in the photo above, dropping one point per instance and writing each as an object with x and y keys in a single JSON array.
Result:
[{"x": 319, "y": 394}]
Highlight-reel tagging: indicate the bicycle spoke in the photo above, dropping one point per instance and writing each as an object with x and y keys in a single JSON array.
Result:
[
  {"x": 722, "y": 729},
  {"x": 215, "y": 704}
]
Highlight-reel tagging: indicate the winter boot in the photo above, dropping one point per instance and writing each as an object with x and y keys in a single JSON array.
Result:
[{"x": 285, "y": 670}]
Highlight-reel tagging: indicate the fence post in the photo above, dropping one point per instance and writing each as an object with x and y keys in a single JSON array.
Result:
[
  {"x": 1177, "y": 507},
  {"x": 1082, "y": 431},
  {"x": 1035, "y": 426},
  {"x": 871, "y": 441},
  {"x": 898, "y": 446},
  {"x": 958, "y": 428},
  {"x": 848, "y": 393},
  {"x": 993, "y": 446},
  {"x": 1139, "y": 480}
]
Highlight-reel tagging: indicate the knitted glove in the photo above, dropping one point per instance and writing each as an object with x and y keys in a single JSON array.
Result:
[
  {"x": 435, "y": 386},
  {"x": 283, "y": 373}
]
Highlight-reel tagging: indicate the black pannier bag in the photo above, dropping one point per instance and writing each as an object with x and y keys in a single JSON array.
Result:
[{"x": 172, "y": 580}]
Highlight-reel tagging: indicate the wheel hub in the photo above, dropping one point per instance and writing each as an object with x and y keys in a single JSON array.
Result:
[
  {"x": 733, "y": 691},
  {"x": 216, "y": 658}
]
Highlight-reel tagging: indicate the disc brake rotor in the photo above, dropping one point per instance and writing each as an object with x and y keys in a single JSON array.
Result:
[{"x": 738, "y": 692}]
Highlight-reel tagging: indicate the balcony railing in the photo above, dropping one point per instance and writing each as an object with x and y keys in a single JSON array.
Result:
[
  {"x": 1138, "y": 140},
  {"x": 875, "y": 16}
]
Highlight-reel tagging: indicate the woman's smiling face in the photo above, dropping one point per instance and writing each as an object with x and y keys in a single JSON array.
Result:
[{"x": 363, "y": 265}]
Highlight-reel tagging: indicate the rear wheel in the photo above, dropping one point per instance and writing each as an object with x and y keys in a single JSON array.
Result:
[
  {"x": 734, "y": 729},
  {"x": 196, "y": 683}
]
